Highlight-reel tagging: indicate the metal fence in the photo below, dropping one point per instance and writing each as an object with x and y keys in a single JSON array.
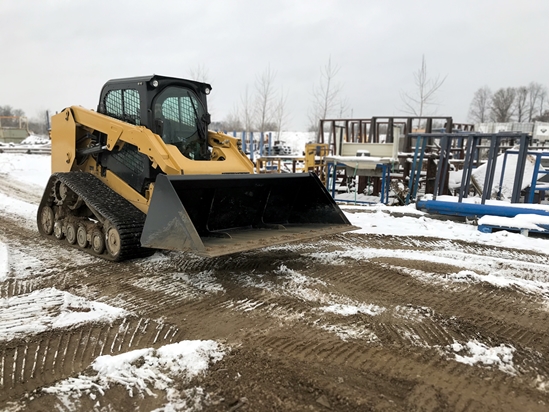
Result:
[{"x": 39, "y": 150}]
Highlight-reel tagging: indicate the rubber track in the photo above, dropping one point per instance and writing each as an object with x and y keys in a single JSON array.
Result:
[{"x": 122, "y": 215}]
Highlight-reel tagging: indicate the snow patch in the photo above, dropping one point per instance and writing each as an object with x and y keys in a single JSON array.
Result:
[
  {"x": 296, "y": 286},
  {"x": 346, "y": 333},
  {"x": 44, "y": 309},
  {"x": 500, "y": 281},
  {"x": 156, "y": 260},
  {"x": 541, "y": 384},
  {"x": 22, "y": 265},
  {"x": 498, "y": 271},
  {"x": 9, "y": 205},
  {"x": 412, "y": 313},
  {"x": 244, "y": 305},
  {"x": 494, "y": 279},
  {"x": 35, "y": 139},
  {"x": 30, "y": 169},
  {"x": 379, "y": 219},
  {"x": 474, "y": 352},
  {"x": 413, "y": 338},
  {"x": 144, "y": 370},
  {"x": 348, "y": 310},
  {"x": 203, "y": 281},
  {"x": 522, "y": 221},
  {"x": 297, "y": 278}
]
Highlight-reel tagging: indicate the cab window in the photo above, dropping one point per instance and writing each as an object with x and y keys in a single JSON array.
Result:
[
  {"x": 123, "y": 105},
  {"x": 180, "y": 112}
]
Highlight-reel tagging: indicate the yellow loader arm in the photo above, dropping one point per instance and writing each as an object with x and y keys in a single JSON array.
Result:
[{"x": 225, "y": 149}]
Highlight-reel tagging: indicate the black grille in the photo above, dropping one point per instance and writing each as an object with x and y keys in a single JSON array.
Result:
[
  {"x": 130, "y": 157},
  {"x": 123, "y": 105}
]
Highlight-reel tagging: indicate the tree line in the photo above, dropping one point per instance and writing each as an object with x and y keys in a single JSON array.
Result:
[
  {"x": 510, "y": 104},
  {"x": 263, "y": 107}
]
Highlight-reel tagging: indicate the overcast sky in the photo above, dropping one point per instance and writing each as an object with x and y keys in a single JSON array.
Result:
[{"x": 58, "y": 53}]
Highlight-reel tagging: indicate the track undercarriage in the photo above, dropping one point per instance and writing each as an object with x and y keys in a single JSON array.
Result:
[{"x": 79, "y": 209}]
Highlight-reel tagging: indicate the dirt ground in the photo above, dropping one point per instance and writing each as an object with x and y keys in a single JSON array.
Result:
[{"x": 286, "y": 353}]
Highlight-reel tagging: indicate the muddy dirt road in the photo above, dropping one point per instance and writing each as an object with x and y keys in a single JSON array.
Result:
[{"x": 349, "y": 323}]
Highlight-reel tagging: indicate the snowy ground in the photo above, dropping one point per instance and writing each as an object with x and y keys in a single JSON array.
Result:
[
  {"x": 33, "y": 170},
  {"x": 156, "y": 368}
]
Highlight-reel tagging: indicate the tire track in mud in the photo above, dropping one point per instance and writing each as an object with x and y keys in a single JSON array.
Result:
[
  {"x": 384, "y": 329},
  {"x": 422, "y": 243},
  {"x": 423, "y": 333},
  {"x": 26, "y": 244},
  {"x": 41, "y": 360},
  {"x": 310, "y": 348},
  {"x": 446, "y": 379},
  {"x": 255, "y": 261},
  {"x": 493, "y": 308},
  {"x": 13, "y": 287},
  {"x": 132, "y": 288},
  {"x": 128, "y": 285},
  {"x": 21, "y": 191},
  {"x": 436, "y": 329},
  {"x": 192, "y": 284}
]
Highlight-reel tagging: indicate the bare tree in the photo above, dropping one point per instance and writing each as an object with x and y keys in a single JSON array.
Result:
[
  {"x": 246, "y": 110},
  {"x": 423, "y": 97},
  {"x": 200, "y": 73},
  {"x": 39, "y": 124},
  {"x": 535, "y": 91},
  {"x": 232, "y": 122},
  {"x": 280, "y": 113},
  {"x": 503, "y": 101},
  {"x": 265, "y": 97},
  {"x": 524, "y": 104},
  {"x": 480, "y": 105},
  {"x": 326, "y": 95},
  {"x": 521, "y": 103},
  {"x": 343, "y": 108},
  {"x": 542, "y": 99}
]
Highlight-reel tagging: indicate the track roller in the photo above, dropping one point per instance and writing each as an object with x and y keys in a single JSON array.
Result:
[
  {"x": 46, "y": 219},
  {"x": 82, "y": 236},
  {"x": 113, "y": 242},
  {"x": 70, "y": 232},
  {"x": 98, "y": 241}
]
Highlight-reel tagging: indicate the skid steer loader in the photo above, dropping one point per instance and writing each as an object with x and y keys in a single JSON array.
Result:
[{"x": 144, "y": 171}]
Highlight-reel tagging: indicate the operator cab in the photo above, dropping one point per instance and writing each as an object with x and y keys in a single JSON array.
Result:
[{"x": 175, "y": 109}]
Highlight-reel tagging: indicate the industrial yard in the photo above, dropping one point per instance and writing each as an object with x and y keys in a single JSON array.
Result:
[{"x": 274, "y": 206}]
